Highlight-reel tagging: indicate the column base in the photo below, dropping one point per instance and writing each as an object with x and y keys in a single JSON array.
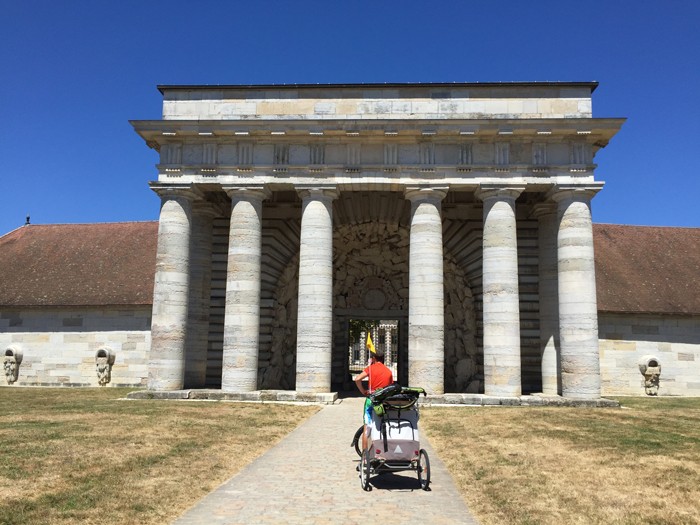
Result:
[
  {"x": 256, "y": 396},
  {"x": 528, "y": 400}
]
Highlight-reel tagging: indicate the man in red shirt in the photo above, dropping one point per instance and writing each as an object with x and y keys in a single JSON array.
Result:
[{"x": 378, "y": 376}]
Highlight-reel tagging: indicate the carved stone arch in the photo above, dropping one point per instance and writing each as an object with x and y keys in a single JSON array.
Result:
[
  {"x": 461, "y": 351},
  {"x": 370, "y": 265},
  {"x": 280, "y": 373}
]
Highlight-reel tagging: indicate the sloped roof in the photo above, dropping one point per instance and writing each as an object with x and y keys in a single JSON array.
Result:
[
  {"x": 78, "y": 264},
  {"x": 639, "y": 269},
  {"x": 647, "y": 269}
]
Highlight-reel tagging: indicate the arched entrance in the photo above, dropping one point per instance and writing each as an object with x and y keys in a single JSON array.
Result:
[{"x": 370, "y": 281}]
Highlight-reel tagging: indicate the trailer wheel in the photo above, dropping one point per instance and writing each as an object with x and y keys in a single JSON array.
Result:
[
  {"x": 357, "y": 440},
  {"x": 364, "y": 471},
  {"x": 424, "y": 470}
]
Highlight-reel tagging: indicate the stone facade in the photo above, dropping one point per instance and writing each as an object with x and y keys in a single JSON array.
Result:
[
  {"x": 60, "y": 345},
  {"x": 420, "y": 203},
  {"x": 673, "y": 339},
  {"x": 458, "y": 212}
]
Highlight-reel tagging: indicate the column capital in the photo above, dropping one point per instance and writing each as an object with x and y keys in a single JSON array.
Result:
[
  {"x": 425, "y": 193},
  {"x": 318, "y": 192},
  {"x": 585, "y": 193},
  {"x": 499, "y": 191},
  {"x": 257, "y": 191},
  {"x": 188, "y": 190}
]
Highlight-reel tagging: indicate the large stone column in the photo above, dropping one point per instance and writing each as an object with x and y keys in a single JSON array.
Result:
[
  {"x": 426, "y": 294},
  {"x": 166, "y": 364},
  {"x": 501, "y": 308},
  {"x": 200, "y": 294},
  {"x": 315, "y": 307},
  {"x": 242, "y": 311},
  {"x": 578, "y": 308},
  {"x": 546, "y": 214}
]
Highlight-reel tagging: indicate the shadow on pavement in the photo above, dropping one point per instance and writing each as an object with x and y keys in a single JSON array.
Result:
[{"x": 396, "y": 482}]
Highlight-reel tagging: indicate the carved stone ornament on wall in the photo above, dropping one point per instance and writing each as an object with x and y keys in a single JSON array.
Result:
[
  {"x": 104, "y": 359},
  {"x": 650, "y": 367},
  {"x": 11, "y": 362}
]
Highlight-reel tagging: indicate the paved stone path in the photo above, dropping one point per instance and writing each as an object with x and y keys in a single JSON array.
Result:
[{"x": 309, "y": 478}]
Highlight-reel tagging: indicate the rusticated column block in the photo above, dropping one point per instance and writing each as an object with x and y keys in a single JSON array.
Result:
[
  {"x": 426, "y": 311},
  {"x": 242, "y": 312},
  {"x": 166, "y": 366},
  {"x": 200, "y": 294},
  {"x": 501, "y": 308},
  {"x": 546, "y": 214},
  {"x": 578, "y": 311},
  {"x": 315, "y": 305}
]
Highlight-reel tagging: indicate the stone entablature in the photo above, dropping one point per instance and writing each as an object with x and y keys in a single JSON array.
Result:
[{"x": 401, "y": 146}]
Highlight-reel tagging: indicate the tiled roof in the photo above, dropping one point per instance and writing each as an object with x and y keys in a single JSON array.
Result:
[
  {"x": 644, "y": 269},
  {"x": 639, "y": 269},
  {"x": 78, "y": 264}
]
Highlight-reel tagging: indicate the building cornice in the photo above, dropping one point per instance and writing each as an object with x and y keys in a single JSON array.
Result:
[
  {"x": 592, "y": 85},
  {"x": 161, "y": 131}
]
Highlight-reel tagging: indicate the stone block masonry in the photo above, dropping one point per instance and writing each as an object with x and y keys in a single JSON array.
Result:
[
  {"x": 312, "y": 151},
  {"x": 56, "y": 354},
  {"x": 673, "y": 339}
]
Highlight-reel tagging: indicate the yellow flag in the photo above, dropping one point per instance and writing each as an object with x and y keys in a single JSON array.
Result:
[{"x": 370, "y": 345}]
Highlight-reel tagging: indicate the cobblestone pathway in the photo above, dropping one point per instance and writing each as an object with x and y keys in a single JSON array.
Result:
[{"x": 309, "y": 478}]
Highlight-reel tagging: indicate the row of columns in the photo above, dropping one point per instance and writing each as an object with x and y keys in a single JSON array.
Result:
[{"x": 570, "y": 363}]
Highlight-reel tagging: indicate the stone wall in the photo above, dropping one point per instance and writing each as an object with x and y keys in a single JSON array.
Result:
[
  {"x": 59, "y": 345},
  {"x": 366, "y": 102},
  {"x": 626, "y": 338}
]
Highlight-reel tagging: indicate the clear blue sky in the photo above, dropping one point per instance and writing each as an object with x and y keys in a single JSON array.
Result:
[{"x": 72, "y": 73}]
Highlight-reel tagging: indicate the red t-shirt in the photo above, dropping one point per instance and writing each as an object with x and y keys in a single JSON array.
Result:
[{"x": 379, "y": 376}]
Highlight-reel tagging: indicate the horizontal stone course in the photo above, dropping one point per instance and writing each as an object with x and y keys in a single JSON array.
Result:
[
  {"x": 420, "y": 102},
  {"x": 258, "y": 396},
  {"x": 58, "y": 357},
  {"x": 272, "y": 396},
  {"x": 625, "y": 339}
]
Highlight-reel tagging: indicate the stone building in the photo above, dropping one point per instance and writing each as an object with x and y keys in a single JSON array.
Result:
[
  {"x": 73, "y": 290},
  {"x": 648, "y": 307},
  {"x": 369, "y": 201},
  {"x": 457, "y": 214}
]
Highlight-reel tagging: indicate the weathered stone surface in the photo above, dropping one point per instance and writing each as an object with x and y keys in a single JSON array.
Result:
[
  {"x": 426, "y": 316},
  {"x": 419, "y": 141},
  {"x": 166, "y": 368},
  {"x": 502, "y": 373},
  {"x": 315, "y": 303},
  {"x": 242, "y": 314},
  {"x": 578, "y": 313}
]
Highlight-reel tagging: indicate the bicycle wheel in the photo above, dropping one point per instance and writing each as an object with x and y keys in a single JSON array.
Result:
[
  {"x": 357, "y": 440},
  {"x": 365, "y": 471},
  {"x": 423, "y": 470}
]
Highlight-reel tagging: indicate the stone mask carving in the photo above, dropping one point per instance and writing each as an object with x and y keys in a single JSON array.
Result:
[
  {"x": 11, "y": 369},
  {"x": 13, "y": 358},
  {"x": 650, "y": 367},
  {"x": 104, "y": 359}
]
